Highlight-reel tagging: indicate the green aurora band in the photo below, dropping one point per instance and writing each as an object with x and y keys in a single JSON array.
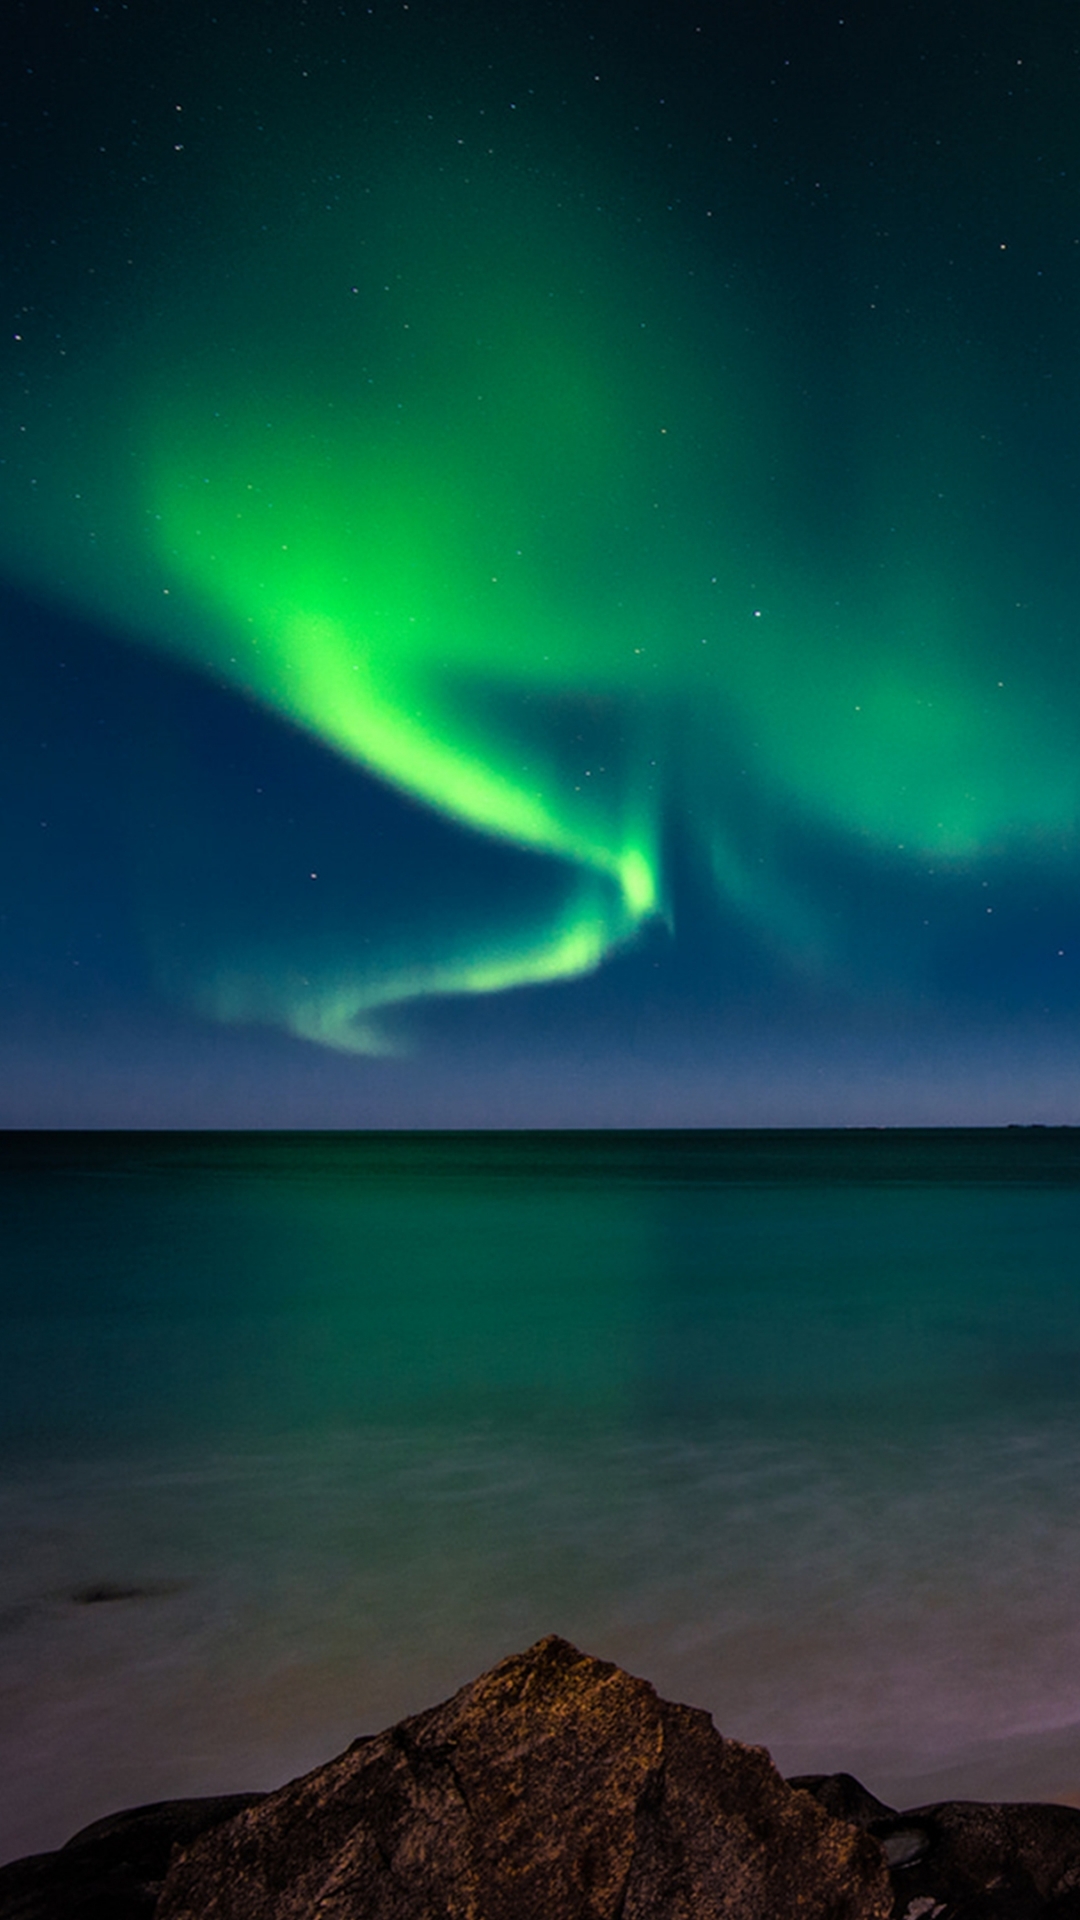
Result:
[{"x": 466, "y": 482}]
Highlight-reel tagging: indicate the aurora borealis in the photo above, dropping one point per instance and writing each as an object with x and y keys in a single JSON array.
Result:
[{"x": 571, "y": 525}]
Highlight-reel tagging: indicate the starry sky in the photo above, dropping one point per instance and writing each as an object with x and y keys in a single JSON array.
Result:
[{"x": 539, "y": 563}]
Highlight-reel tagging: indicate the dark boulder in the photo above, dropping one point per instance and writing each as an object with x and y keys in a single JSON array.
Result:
[
  {"x": 844, "y": 1797},
  {"x": 554, "y": 1786},
  {"x": 966, "y": 1860},
  {"x": 112, "y": 1870}
]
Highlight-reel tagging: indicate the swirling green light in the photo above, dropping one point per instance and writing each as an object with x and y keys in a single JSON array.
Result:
[{"x": 454, "y": 482}]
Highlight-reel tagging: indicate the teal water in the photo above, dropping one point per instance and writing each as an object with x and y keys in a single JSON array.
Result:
[{"x": 299, "y": 1432}]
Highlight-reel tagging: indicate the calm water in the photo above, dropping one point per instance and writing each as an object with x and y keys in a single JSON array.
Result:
[{"x": 299, "y": 1432}]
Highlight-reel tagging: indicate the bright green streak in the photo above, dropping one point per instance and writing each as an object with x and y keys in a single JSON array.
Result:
[{"x": 466, "y": 492}]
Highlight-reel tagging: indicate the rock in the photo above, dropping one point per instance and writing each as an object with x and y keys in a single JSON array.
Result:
[
  {"x": 844, "y": 1797},
  {"x": 112, "y": 1870},
  {"x": 964, "y": 1860},
  {"x": 555, "y": 1787},
  {"x": 990, "y": 1862}
]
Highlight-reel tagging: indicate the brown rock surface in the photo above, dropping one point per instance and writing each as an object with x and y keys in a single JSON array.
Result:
[{"x": 555, "y": 1787}]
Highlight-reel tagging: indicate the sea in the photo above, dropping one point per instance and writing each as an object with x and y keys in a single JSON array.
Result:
[{"x": 299, "y": 1432}]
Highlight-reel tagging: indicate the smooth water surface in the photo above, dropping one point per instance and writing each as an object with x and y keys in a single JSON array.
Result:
[{"x": 299, "y": 1432}]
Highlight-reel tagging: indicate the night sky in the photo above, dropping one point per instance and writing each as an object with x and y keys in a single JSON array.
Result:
[{"x": 539, "y": 563}]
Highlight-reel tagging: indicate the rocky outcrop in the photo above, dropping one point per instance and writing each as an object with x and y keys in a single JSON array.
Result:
[
  {"x": 555, "y": 1785},
  {"x": 963, "y": 1860}
]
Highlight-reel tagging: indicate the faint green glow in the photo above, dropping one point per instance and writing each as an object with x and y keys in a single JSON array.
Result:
[
  {"x": 345, "y": 1009},
  {"x": 455, "y": 482}
]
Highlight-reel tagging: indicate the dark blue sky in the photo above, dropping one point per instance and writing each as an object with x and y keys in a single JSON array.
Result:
[{"x": 540, "y": 565}]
